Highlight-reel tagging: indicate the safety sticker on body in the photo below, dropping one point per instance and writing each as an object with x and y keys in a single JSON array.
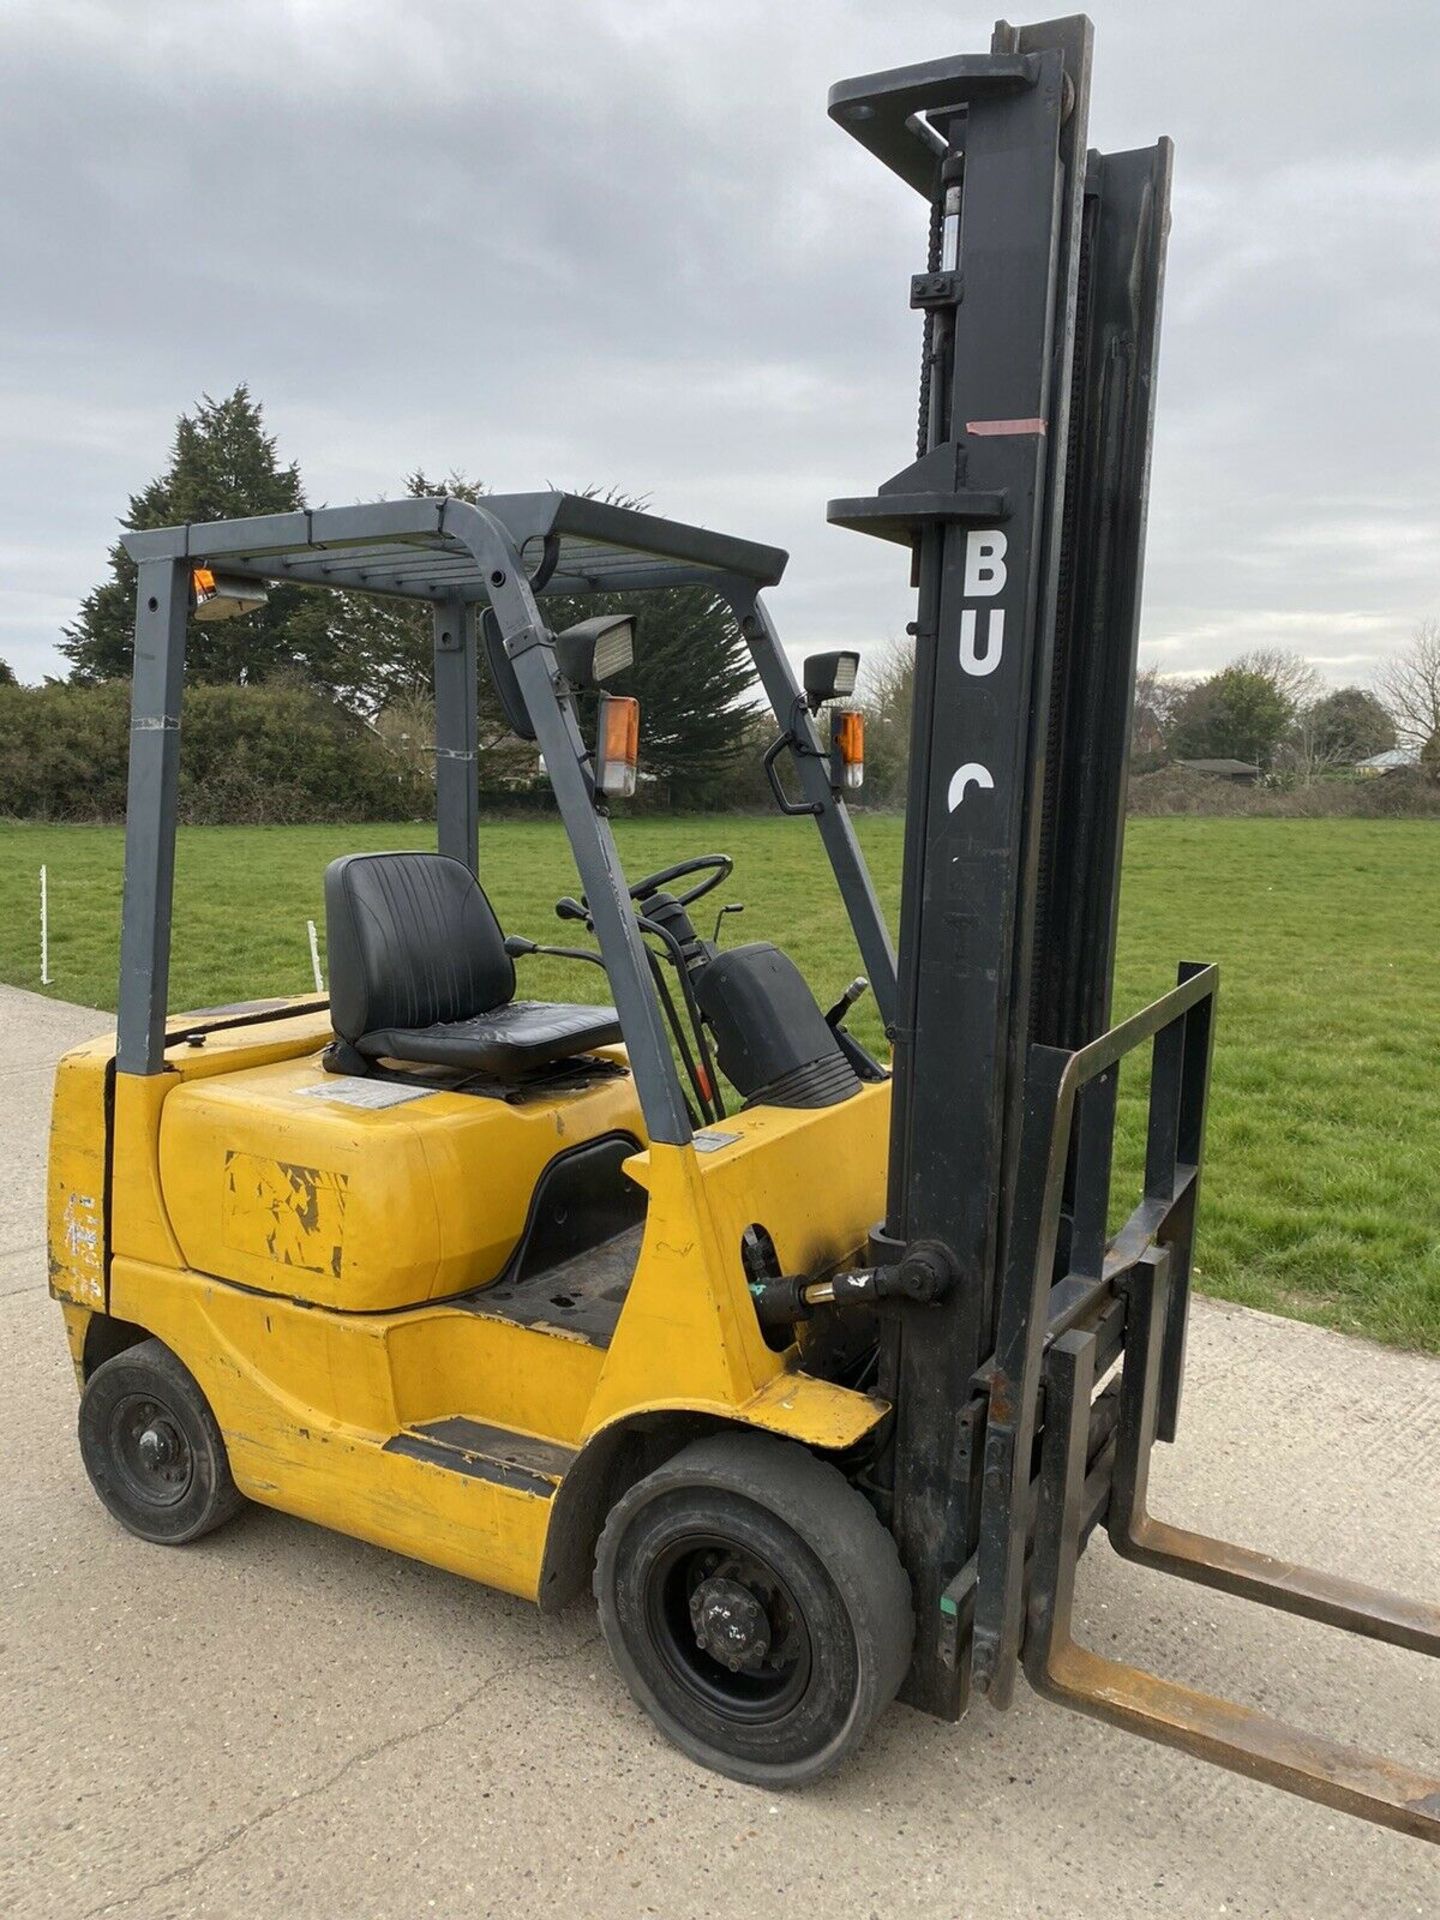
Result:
[{"x": 370, "y": 1094}]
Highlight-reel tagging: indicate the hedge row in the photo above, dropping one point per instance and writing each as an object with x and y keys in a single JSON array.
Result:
[
  {"x": 282, "y": 755},
  {"x": 1170, "y": 790},
  {"x": 272, "y": 755}
]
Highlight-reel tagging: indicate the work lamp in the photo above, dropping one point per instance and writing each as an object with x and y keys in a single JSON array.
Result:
[
  {"x": 594, "y": 651},
  {"x": 829, "y": 676},
  {"x": 587, "y": 654}
]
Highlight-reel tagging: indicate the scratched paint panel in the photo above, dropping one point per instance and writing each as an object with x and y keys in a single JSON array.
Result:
[
  {"x": 75, "y": 1182},
  {"x": 280, "y": 1211},
  {"x": 77, "y": 1259}
]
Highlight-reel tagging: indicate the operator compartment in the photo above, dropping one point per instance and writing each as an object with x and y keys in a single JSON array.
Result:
[{"x": 366, "y": 1194}]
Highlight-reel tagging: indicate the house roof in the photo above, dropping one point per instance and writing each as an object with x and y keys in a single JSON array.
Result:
[{"x": 1392, "y": 757}]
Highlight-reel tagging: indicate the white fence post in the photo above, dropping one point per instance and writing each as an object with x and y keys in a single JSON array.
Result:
[
  {"x": 44, "y": 928},
  {"x": 315, "y": 957}
]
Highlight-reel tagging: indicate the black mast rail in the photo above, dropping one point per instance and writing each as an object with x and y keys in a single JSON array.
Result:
[
  {"x": 997, "y": 144},
  {"x": 1014, "y": 1434}
]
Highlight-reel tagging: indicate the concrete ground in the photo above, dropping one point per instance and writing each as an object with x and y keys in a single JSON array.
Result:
[{"x": 280, "y": 1722}]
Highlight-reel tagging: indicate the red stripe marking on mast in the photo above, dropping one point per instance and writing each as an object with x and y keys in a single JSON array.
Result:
[{"x": 1004, "y": 426}]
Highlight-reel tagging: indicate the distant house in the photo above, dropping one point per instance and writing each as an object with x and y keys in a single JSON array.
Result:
[
  {"x": 1239, "y": 773},
  {"x": 1393, "y": 760}
]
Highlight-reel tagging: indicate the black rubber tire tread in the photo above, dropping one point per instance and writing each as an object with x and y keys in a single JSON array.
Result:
[
  {"x": 212, "y": 1498},
  {"x": 836, "y": 1525}
]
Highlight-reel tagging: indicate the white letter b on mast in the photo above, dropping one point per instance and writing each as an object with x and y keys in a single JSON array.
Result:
[{"x": 984, "y": 563}]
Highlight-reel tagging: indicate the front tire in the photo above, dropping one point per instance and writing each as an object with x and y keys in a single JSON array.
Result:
[
  {"x": 755, "y": 1606},
  {"x": 152, "y": 1448}
]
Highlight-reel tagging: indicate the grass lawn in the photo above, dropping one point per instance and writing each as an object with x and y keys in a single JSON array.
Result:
[{"x": 1322, "y": 1195}]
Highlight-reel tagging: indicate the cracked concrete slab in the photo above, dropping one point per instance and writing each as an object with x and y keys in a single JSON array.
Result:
[{"x": 286, "y": 1725}]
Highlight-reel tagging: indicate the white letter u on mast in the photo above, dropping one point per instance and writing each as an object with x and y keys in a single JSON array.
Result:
[{"x": 986, "y": 662}]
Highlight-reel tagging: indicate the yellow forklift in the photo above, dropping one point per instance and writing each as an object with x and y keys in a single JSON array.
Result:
[{"x": 820, "y": 1370}]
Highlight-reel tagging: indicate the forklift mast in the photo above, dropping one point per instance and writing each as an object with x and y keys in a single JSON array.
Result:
[
  {"x": 1032, "y": 1357},
  {"x": 1025, "y": 513}
]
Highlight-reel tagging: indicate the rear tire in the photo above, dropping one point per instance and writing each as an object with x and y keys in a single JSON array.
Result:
[
  {"x": 152, "y": 1448},
  {"x": 755, "y": 1606}
]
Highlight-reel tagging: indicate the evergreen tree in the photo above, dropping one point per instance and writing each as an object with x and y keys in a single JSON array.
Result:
[
  {"x": 223, "y": 466},
  {"x": 1238, "y": 714},
  {"x": 7, "y": 674}
]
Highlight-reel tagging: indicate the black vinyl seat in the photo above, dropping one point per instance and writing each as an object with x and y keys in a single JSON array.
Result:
[{"x": 419, "y": 972}]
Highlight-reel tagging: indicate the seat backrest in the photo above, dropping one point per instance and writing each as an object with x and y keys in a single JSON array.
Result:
[{"x": 412, "y": 940}]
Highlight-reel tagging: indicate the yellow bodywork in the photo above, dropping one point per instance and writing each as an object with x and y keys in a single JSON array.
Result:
[{"x": 321, "y": 1269}]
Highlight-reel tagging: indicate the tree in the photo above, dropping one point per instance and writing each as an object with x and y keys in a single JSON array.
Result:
[
  {"x": 223, "y": 466},
  {"x": 7, "y": 675},
  {"x": 1151, "y": 715},
  {"x": 382, "y": 648},
  {"x": 692, "y": 675},
  {"x": 887, "y": 697},
  {"x": 1291, "y": 675},
  {"x": 371, "y": 652},
  {"x": 1348, "y": 725},
  {"x": 361, "y": 649},
  {"x": 1237, "y": 714},
  {"x": 1409, "y": 688}
]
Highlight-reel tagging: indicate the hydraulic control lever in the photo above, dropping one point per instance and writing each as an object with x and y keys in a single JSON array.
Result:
[
  {"x": 731, "y": 906},
  {"x": 858, "y": 986},
  {"x": 519, "y": 948}
]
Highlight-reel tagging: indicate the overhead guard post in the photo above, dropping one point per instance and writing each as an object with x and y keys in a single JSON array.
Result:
[
  {"x": 457, "y": 764},
  {"x": 529, "y": 644},
  {"x": 832, "y": 816},
  {"x": 162, "y": 606}
]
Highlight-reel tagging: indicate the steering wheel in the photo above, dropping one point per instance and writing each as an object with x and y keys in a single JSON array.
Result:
[{"x": 715, "y": 866}]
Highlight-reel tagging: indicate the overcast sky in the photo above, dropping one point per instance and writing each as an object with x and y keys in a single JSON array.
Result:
[{"x": 618, "y": 241}]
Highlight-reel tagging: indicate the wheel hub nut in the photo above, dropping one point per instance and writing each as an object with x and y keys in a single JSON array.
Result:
[
  {"x": 730, "y": 1624},
  {"x": 156, "y": 1446}
]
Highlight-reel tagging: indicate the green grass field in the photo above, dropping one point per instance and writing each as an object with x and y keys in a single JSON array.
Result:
[{"x": 1322, "y": 1194}]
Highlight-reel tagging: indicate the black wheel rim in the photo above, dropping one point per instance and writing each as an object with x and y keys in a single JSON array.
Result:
[
  {"x": 152, "y": 1457},
  {"x": 777, "y": 1652}
]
